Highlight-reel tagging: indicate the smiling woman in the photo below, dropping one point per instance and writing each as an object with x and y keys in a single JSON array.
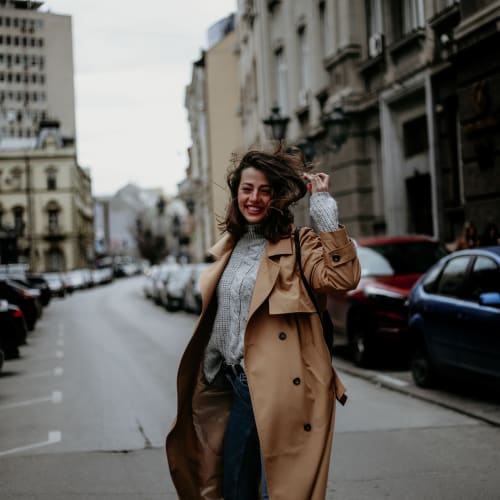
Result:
[{"x": 249, "y": 360}]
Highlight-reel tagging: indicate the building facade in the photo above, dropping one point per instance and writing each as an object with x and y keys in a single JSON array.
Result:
[
  {"x": 36, "y": 71},
  {"x": 416, "y": 82},
  {"x": 46, "y": 206},
  {"x": 214, "y": 107}
]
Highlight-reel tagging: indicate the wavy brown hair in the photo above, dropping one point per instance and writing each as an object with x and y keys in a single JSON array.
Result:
[{"x": 284, "y": 170}]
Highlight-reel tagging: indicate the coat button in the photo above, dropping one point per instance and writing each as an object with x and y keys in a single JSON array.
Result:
[
  {"x": 296, "y": 381},
  {"x": 307, "y": 427},
  {"x": 282, "y": 336},
  {"x": 336, "y": 258}
]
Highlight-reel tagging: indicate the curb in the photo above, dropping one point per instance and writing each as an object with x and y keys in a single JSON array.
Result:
[{"x": 416, "y": 392}]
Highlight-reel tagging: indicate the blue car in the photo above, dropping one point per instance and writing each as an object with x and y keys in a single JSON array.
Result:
[{"x": 454, "y": 316}]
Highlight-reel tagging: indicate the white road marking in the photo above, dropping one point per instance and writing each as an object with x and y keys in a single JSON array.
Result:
[
  {"x": 391, "y": 380},
  {"x": 60, "y": 354},
  {"x": 60, "y": 342},
  {"x": 53, "y": 437},
  {"x": 61, "y": 330},
  {"x": 57, "y": 372},
  {"x": 56, "y": 397}
]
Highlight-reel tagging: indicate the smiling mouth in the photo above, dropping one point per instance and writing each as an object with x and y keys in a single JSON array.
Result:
[{"x": 255, "y": 209}]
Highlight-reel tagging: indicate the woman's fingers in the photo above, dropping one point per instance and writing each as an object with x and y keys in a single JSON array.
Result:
[{"x": 317, "y": 183}]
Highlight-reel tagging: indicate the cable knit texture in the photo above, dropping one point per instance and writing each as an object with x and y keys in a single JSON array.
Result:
[{"x": 236, "y": 285}]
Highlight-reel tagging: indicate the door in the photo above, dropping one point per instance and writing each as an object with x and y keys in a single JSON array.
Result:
[{"x": 481, "y": 324}]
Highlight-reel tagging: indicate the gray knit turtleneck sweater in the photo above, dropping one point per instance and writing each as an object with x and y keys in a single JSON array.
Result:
[{"x": 235, "y": 287}]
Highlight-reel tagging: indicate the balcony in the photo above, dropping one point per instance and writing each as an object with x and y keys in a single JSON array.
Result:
[{"x": 54, "y": 232}]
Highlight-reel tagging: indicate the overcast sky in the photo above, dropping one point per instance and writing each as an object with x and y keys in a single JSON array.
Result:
[{"x": 133, "y": 60}]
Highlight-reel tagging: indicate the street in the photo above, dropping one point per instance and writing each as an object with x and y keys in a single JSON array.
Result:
[{"x": 85, "y": 410}]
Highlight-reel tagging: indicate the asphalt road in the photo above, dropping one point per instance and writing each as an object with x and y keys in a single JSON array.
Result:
[{"x": 84, "y": 413}]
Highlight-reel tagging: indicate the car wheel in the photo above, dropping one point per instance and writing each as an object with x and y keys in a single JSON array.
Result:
[
  {"x": 422, "y": 369},
  {"x": 359, "y": 342}
]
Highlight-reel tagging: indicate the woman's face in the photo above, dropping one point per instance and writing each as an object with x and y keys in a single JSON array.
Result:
[{"x": 254, "y": 195}]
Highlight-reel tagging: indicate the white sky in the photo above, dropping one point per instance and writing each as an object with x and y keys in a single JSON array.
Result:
[{"x": 133, "y": 60}]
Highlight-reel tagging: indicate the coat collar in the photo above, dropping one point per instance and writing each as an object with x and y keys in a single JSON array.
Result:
[
  {"x": 226, "y": 245},
  {"x": 266, "y": 276}
]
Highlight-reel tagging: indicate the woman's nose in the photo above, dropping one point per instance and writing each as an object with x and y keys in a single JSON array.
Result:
[{"x": 254, "y": 195}]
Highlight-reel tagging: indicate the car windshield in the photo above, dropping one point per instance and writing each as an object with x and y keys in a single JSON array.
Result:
[{"x": 401, "y": 258}]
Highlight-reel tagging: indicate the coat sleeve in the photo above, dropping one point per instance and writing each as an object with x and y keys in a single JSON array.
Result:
[{"x": 329, "y": 260}]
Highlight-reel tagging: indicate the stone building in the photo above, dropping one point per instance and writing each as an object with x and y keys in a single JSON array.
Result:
[
  {"x": 415, "y": 84},
  {"x": 46, "y": 204}
]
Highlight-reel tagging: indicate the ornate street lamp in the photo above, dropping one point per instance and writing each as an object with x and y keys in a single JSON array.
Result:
[
  {"x": 337, "y": 126},
  {"x": 276, "y": 123}
]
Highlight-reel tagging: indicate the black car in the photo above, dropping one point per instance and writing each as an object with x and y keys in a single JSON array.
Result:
[
  {"x": 24, "y": 298},
  {"x": 9, "y": 334},
  {"x": 36, "y": 282}
]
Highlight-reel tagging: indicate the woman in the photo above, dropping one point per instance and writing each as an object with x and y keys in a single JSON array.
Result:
[{"x": 268, "y": 432}]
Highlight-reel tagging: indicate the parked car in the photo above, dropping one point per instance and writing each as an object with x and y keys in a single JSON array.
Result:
[
  {"x": 26, "y": 298},
  {"x": 9, "y": 336},
  {"x": 102, "y": 275},
  {"x": 454, "y": 316},
  {"x": 56, "y": 284},
  {"x": 192, "y": 292},
  {"x": 150, "y": 275},
  {"x": 33, "y": 281},
  {"x": 172, "y": 295},
  {"x": 160, "y": 281},
  {"x": 78, "y": 279},
  {"x": 375, "y": 314}
]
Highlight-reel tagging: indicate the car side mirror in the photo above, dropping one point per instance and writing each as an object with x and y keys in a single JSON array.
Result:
[{"x": 491, "y": 299}]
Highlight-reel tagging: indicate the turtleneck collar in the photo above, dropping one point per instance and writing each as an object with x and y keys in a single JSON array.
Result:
[{"x": 254, "y": 231}]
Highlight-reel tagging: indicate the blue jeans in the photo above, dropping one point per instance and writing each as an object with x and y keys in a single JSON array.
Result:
[{"x": 242, "y": 461}]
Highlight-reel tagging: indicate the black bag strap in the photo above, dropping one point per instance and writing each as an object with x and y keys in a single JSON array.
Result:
[
  {"x": 326, "y": 321},
  {"x": 298, "y": 256}
]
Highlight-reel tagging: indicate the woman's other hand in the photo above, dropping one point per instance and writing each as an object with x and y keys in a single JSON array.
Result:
[{"x": 317, "y": 183}]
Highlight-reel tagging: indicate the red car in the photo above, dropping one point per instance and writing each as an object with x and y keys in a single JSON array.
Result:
[{"x": 375, "y": 314}]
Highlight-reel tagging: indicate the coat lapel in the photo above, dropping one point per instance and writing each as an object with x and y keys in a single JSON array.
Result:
[{"x": 268, "y": 272}]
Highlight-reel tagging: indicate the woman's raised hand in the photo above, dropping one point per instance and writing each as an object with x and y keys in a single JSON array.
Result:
[{"x": 317, "y": 183}]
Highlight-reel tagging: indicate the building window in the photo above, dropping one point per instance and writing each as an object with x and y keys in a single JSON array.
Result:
[
  {"x": 412, "y": 15},
  {"x": 415, "y": 136},
  {"x": 51, "y": 180},
  {"x": 323, "y": 27},
  {"x": 53, "y": 216},
  {"x": 16, "y": 172},
  {"x": 18, "y": 220},
  {"x": 281, "y": 81},
  {"x": 375, "y": 20},
  {"x": 303, "y": 65},
  {"x": 55, "y": 260}
]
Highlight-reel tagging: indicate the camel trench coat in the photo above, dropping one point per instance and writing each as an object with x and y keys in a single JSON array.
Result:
[{"x": 290, "y": 376}]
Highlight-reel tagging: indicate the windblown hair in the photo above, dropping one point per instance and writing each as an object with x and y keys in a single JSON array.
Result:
[{"x": 284, "y": 170}]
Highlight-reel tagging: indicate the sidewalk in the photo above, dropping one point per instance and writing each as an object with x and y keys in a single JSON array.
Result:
[{"x": 470, "y": 398}]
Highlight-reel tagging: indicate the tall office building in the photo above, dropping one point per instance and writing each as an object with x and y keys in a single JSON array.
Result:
[{"x": 36, "y": 72}]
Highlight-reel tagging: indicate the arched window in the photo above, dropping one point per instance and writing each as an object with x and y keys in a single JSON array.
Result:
[
  {"x": 53, "y": 209},
  {"x": 54, "y": 260}
]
